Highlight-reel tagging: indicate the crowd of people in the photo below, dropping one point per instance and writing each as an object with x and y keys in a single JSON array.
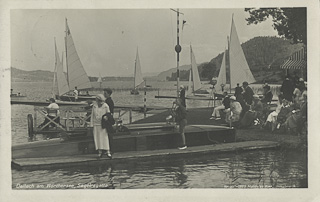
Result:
[{"x": 244, "y": 109}]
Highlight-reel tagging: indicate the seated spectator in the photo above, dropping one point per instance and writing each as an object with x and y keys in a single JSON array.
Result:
[
  {"x": 52, "y": 114},
  {"x": 272, "y": 117},
  {"x": 225, "y": 105},
  {"x": 284, "y": 113},
  {"x": 303, "y": 114},
  {"x": 233, "y": 113},
  {"x": 267, "y": 95},
  {"x": 254, "y": 113}
]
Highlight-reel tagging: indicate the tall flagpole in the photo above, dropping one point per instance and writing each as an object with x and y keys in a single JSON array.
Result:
[{"x": 178, "y": 50}]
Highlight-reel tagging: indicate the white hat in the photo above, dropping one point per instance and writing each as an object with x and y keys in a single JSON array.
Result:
[
  {"x": 256, "y": 96},
  {"x": 233, "y": 97},
  {"x": 100, "y": 97},
  {"x": 181, "y": 86}
]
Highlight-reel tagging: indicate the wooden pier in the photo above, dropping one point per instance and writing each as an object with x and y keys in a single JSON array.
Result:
[{"x": 124, "y": 157}]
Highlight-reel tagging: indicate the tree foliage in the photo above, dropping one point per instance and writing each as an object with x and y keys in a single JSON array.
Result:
[{"x": 289, "y": 22}]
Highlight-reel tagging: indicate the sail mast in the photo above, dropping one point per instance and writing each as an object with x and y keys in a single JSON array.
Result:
[
  {"x": 65, "y": 39},
  {"x": 229, "y": 52},
  {"x": 228, "y": 61},
  {"x": 55, "y": 69}
]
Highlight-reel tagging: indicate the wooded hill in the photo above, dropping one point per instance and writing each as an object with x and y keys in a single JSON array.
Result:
[{"x": 264, "y": 56}]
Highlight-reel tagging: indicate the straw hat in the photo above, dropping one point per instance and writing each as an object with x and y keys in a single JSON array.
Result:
[
  {"x": 100, "y": 97},
  {"x": 181, "y": 86},
  {"x": 233, "y": 97}
]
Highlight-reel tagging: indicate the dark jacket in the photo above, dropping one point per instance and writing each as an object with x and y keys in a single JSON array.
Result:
[
  {"x": 238, "y": 91},
  {"x": 287, "y": 89},
  {"x": 226, "y": 102},
  {"x": 181, "y": 113},
  {"x": 107, "y": 124},
  {"x": 183, "y": 97},
  {"x": 248, "y": 95},
  {"x": 267, "y": 97},
  {"x": 110, "y": 103}
]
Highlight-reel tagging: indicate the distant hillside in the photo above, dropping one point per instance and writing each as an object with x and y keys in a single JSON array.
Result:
[
  {"x": 264, "y": 56},
  {"x": 163, "y": 75},
  {"x": 19, "y": 75}
]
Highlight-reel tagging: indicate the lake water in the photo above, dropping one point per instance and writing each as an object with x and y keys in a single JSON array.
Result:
[{"x": 257, "y": 169}]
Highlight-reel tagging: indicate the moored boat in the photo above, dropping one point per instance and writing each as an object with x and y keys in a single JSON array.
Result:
[{"x": 138, "y": 79}]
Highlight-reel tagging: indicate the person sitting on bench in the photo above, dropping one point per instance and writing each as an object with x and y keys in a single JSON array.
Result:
[{"x": 52, "y": 114}]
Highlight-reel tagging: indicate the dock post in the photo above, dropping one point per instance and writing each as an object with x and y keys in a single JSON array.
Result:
[
  {"x": 67, "y": 125},
  {"x": 145, "y": 99},
  {"x": 130, "y": 116},
  {"x": 35, "y": 117}
]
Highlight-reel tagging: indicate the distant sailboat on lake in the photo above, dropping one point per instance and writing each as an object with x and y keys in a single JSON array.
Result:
[
  {"x": 100, "y": 80},
  {"x": 234, "y": 60},
  {"x": 138, "y": 79}
]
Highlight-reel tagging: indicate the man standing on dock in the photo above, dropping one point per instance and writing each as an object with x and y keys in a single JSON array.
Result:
[
  {"x": 76, "y": 93},
  {"x": 181, "y": 119},
  {"x": 107, "y": 93},
  {"x": 183, "y": 96}
]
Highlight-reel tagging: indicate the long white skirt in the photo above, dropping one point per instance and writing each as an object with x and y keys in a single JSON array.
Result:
[{"x": 101, "y": 139}]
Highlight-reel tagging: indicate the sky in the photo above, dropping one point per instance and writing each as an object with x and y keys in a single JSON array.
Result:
[{"x": 107, "y": 39}]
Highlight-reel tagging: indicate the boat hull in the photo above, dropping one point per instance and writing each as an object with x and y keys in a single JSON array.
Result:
[
  {"x": 80, "y": 98},
  {"x": 137, "y": 139}
]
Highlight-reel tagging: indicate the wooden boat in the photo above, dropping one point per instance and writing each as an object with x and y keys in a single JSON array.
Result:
[
  {"x": 76, "y": 76},
  {"x": 138, "y": 79},
  {"x": 235, "y": 62}
]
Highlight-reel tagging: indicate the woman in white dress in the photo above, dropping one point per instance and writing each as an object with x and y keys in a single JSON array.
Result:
[{"x": 100, "y": 134}]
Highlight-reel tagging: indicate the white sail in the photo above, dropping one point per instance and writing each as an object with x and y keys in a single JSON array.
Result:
[
  {"x": 195, "y": 72},
  {"x": 61, "y": 81},
  {"x": 222, "y": 78},
  {"x": 99, "y": 79},
  {"x": 190, "y": 88},
  {"x": 239, "y": 68},
  {"x": 138, "y": 79},
  {"x": 77, "y": 76}
]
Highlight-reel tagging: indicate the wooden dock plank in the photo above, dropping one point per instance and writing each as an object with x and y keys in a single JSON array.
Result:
[{"x": 91, "y": 159}]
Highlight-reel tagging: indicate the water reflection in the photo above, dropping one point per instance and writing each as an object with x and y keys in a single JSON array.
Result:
[{"x": 264, "y": 169}]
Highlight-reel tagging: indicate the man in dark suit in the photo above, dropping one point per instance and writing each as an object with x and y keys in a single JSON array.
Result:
[{"x": 110, "y": 103}]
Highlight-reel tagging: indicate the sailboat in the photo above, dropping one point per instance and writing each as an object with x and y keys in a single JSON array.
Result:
[
  {"x": 100, "y": 80},
  {"x": 76, "y": 75},
  {"x": 235, "y": 60},
  {"x": 138, "y": 79},
  {"x": 194, "y": 85}
]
